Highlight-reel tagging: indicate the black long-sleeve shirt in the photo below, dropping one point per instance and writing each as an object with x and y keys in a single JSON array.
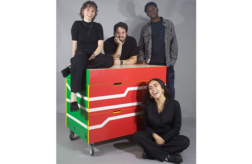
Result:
[{"x": 166, "y": 124}]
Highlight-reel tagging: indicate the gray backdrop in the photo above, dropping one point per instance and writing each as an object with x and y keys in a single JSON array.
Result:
[{"x": 181, "y": 12}]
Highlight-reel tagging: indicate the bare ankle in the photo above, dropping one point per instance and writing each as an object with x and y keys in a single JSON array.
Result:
[{"x": 73, "y": 96}]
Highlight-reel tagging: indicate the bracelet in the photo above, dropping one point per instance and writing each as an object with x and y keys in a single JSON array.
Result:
[
  {"x": 93, "y": 54},
  {"x": 121, "y": 62}
]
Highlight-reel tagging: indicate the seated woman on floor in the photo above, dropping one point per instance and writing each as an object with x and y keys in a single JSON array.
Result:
[{"x": 162, "y": 123}]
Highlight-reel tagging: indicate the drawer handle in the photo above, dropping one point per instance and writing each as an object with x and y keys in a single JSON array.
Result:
[
  {"x": 117, "y": 111},
  {"x": 117, "y": 83}
]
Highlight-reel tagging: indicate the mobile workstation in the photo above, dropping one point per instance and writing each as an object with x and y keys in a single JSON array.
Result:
[{"x": 110, "y": 106}]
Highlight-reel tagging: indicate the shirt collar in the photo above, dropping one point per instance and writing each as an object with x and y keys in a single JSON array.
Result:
[{"x": 149, "y": 23}]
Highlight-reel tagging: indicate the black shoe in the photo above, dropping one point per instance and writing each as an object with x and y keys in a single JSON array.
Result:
[
  {"x": 74, "y": 107},
  {"x": 65, "y": 72},
  {"x": 147, "y": 156},
  {"x": 175, "y": 158}
]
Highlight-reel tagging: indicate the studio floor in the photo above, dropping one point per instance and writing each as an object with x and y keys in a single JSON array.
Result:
[{"x": 121, "y": 150}]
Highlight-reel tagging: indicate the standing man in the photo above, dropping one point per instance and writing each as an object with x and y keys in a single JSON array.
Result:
[
  {"x": 158, "y": 44},
  {"x": 122, "y": 47}
]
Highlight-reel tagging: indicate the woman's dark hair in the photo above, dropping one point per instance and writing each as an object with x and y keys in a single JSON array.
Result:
[
  {"x": 121, "y": 24},
  {"x": 147, "y": 97},
  {"x": 89, "y": 4},
  {"x": 148, "y": 4}
]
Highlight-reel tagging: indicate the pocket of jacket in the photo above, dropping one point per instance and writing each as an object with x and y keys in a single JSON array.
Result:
[{"x": 146, "y": 37}]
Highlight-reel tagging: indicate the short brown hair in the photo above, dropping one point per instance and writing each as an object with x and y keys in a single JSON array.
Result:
[
  {"x": 89, "y": 4},
  {"x": 121, "y": 24}
]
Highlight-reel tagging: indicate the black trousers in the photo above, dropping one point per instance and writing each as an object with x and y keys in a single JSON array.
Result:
[
  {"x": 176, "y": 145},
  {"x": 170, "y": 76},
  {"x": 79, "y": 64}
]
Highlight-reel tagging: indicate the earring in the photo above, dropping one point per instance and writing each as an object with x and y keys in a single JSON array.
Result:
[
  {"x": 163, "y": 91},
  {"x": 151, "y": 97}
]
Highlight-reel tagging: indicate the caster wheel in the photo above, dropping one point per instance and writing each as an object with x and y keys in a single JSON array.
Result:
[
  {"x": 71, "y": 135},
  {"x": 91, "y": 149}
]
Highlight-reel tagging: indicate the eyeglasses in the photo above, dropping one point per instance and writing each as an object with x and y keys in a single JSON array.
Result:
[{"x": 148, "y": 12}]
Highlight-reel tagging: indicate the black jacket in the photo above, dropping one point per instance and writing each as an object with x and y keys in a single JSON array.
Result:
[{"x": 167, "y": 124}]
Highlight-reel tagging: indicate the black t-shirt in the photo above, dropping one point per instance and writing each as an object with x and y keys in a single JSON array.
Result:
[
  {"x": 158, "y": 42},
  {"x": 129, "y": 47},
  {"x": 85, "y": 42}
]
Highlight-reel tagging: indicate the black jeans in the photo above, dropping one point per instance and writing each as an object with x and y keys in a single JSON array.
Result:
[
  {"x": 170, "y": 76},
  {"x": 79, "y": 64},
  {"x": 177, "y": 144}
]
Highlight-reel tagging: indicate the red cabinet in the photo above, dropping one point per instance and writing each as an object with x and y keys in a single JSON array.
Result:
[{"x": 111, "y": 105}]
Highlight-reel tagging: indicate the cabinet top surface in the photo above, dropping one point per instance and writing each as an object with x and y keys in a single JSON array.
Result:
[{"x": 130, "y": 66}]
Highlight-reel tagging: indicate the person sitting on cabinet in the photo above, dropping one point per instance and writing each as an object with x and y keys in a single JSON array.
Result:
[
  {"x": 87, "y": 40},
  {"x": 122, "y": 47}
]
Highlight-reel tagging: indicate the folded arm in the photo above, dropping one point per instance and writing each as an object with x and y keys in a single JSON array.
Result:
[{"x": 132, "y": 60}]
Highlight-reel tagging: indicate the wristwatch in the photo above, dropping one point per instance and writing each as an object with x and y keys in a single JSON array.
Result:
[{"x": 121, "y": 62}]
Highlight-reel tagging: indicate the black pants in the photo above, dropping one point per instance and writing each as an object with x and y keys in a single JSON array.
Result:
[
  {"x": 170, "y": 76},
  {"x": 79, "y": 64},
  {"x": 176, "y": 145}
]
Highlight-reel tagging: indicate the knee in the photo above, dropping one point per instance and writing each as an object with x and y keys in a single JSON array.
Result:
[
  {"x": 186, "y": 142},
  {"x": 138, "y": 135},
  {"x": 109, "y": 59}
]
